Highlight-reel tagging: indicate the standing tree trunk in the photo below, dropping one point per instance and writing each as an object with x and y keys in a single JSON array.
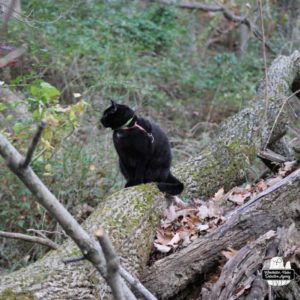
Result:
[{"x": 131, "y": 215}]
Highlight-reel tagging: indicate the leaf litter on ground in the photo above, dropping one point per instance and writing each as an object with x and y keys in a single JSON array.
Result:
[{"x": 183, "y": 222}]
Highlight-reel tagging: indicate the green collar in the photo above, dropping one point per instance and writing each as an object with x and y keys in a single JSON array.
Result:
[{"x": 126, "y": 124}]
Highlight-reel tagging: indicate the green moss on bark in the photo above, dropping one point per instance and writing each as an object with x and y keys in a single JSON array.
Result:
[{"x": 8, "y": 294}]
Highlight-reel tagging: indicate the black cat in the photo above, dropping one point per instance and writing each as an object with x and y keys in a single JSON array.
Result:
[{"x": 143, "y": 148}]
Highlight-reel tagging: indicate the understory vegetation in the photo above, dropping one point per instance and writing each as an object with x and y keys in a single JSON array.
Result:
[{"x": 182, "y": 69}]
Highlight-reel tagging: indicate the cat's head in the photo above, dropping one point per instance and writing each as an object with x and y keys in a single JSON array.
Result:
[{"x": 116, "y": 115}]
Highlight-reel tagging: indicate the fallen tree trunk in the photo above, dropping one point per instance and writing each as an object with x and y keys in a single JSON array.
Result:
[
  {"x": 168, "y": 277},
  {"x": 262, "y": 125},
  {"x": 50, "y": 278},
  {"x": 130, "y": 216}
]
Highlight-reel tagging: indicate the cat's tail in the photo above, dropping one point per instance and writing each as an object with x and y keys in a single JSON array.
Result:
[{"x": 171, "y": 186}]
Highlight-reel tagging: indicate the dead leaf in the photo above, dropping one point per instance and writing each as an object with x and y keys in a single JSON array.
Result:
[
  {"x": 175, "y": 241},
  {"x": 272, "y": 181},
  {"x": 261, "y": 186},
  {"x": 229, "y": 253},
  {"x": 163, "y": 237},
  {"x": 238, "y": 195},
  {"x": 162, "y": 248},
  {"x": 214, "y": 210},
  {"x": 203, "y": 227},
  {"x": 203, "y": 212},
  {"x": 218, "y": 195}
]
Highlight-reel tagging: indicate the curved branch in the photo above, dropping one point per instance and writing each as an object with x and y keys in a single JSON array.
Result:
[
  {"x": 229, "y": 15},
  {"x": 29, "y": 238}
]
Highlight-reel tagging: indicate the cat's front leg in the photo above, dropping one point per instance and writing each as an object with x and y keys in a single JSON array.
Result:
[{"x": 139, "y": 176}]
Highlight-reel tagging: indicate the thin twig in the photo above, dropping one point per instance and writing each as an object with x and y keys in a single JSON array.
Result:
[
  {"x": 28, "y": 238},
  {"x": 279, "y": 113},
  {"x": 112, "y": 264},
  {"x": 73, "y": 259},
  {"x": 134, "y": 282},
  {"x": 33, "y": 145},
  {"x": 218, "y": 7},
  {"x": 42, "y": 231},
  {"x": 265, "y": 60}
]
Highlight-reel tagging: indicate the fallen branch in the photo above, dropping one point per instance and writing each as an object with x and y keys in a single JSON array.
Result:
[
  {"x": 33, "y": 145},
  {"x": 269, "y": 210},
  {"x": 135, "y": 283},
  {"x": 241, "y": 269},
  {"x": 229, "y": 15},
  {"x": 29, "y": 238},
  {"x": 12, "y": 56},
  {"x": 113, "y": 267},
  {"x": 112, "y": 264}
]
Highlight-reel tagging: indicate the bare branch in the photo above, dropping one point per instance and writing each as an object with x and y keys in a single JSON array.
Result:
[
  {"x": 272, "y": 156},
  {"x": 12, "y": 56},
  {"x": 89, "y": 247},
  {"x": 134, "y": 282},
  {"x": 112, "y": 263},
  {"x": 278, "y": 115},
  {"x": 229, "y": 15},
  {"x": 73, "y": 259},
  {"x": 33, "y": 145},
  {"x": 28, "y": 238}
]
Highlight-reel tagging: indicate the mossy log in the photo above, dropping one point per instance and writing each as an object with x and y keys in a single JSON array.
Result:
[
  {"x": 227, "y": 160},
  {"x": 130, "y": 216}
]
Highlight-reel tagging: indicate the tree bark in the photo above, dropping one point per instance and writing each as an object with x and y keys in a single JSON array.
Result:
[{"x": 131, "y": 215}]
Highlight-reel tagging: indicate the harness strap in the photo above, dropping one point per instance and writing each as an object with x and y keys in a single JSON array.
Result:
[{"x": 136, "y": 125}]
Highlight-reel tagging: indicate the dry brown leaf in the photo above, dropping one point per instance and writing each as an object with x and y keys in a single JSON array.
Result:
[
  {"x": 287, "y": 168},
  {"x": 163, "y": 237},
  {"x": 203, "y": 212},
  {"x": 186, "y": 212},
  {"x": 229, "y": 253},
  {"x": 261, "y": 186},
  {"x": 272, "y": 181},
  {"x": 238, "y": 195},
  {"x": 175, "y": 240},
  {"x": 203, "y": 227},
  {"x": 214, "y": 210},
  {"x": 170, "y": 213},
  {"x": 162, "y": 248},
  {"x": 218, "y": 195},
  {"x": 237, "y": 198},
  {"x": 184, "y": 237}
]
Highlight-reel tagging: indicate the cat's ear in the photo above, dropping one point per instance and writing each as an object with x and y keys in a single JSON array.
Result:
[{"x": 113, "y": 103}]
